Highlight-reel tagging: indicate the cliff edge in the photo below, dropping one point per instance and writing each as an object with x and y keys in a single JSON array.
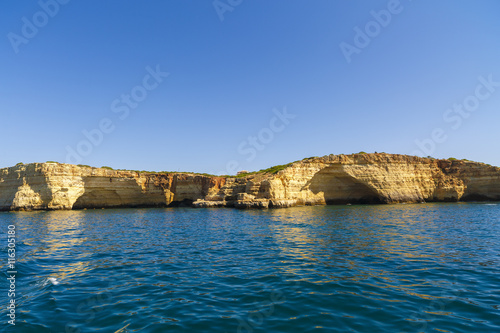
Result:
[{"x": 332, "y": 179}]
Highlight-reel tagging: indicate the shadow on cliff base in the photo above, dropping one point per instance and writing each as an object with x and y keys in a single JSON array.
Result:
[
  {"x": 340, "y": 188},
  {"x": 478, "y": 197},
  {"x": 128, "y": 195},
  {"x": 104, "y": 192}
]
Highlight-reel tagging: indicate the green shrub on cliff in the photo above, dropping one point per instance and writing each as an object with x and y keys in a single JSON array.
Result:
[
  {"x": 107, "y": 167},
  {"x": 276, "y": 168},
  {"x": 272, "y": 170},
  {"x": 52, "y": 162},
  {"x": 452, "y": 159},
  {"x": 244, "y": 174},
  {"x": 20, "y": 163}
]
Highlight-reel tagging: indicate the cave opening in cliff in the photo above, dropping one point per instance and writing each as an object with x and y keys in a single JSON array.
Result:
[{"x": 338, "y": 187}]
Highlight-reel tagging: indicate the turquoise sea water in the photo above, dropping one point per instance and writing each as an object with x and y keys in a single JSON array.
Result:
[{"x": 383, "y": 268}]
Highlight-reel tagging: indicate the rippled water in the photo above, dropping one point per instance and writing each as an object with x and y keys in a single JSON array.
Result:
[{"x": 384, "y": 268}]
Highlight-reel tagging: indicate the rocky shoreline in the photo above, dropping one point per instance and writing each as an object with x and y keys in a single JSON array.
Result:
[{"x": 332, "y": 179}]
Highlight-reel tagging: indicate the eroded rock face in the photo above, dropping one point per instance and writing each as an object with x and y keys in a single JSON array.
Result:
[
  {"x": 332, "y": 179},
  {"x": 63, "y": 186},
  {"x": 366, "y": 178}
]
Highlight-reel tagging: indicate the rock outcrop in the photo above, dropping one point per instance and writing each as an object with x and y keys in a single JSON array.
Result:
[
  {"x": 332, "y": 179},
  {"x": 51, "y": 186}
]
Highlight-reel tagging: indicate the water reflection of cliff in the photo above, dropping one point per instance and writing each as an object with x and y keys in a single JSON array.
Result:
[
  {"x": 55, "y": 242},
  {"x": 361, "y": 244}
]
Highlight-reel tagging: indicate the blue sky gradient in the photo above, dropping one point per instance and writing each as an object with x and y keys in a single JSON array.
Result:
[{"x": 228, "y": 79}]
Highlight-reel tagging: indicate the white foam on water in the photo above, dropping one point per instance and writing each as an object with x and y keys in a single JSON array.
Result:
[{"x": 53, "y": 281}]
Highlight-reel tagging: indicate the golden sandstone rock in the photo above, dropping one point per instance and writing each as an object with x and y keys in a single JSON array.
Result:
[{"x": 332, "y": 179}]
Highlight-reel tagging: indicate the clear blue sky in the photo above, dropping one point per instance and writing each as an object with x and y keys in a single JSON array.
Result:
[{"x": 228, "y": 78}]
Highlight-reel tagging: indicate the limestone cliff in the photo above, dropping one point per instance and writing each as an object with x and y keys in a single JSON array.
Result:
[
  {"x": 332, "y": 179},
  {"x": 64, "y": 186}
]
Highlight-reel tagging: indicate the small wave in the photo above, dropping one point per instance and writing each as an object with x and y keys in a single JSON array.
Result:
[{"x": 52, "y": 281}]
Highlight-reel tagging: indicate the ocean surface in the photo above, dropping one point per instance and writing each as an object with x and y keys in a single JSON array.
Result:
[{"x": 367, "y": 268}]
